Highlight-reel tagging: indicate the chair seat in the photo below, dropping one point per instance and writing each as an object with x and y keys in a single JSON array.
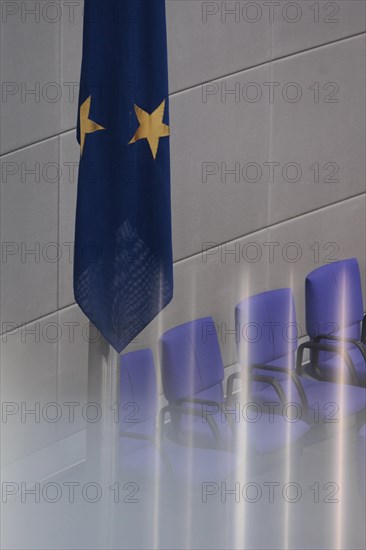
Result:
[
  {"x": 349, "y": 399},
  {"x": 130, "y": 444},
  {"x": 196, "y": 430},
  {"x": 265, "y": 433},
  {"x": 327, "y": 400},
  {"x": 332, "y": 366},
  {"x": 272, "y": 433}
]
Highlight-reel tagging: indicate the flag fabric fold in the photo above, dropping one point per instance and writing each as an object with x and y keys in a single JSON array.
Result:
[{"x": 123, "y": 269}]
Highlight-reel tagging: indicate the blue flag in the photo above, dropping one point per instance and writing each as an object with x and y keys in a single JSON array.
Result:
[{"x": 123, "y": 269}]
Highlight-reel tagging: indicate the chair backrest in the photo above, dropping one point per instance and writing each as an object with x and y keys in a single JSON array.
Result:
[
  {"x": 191, "y": 362},
  {"x": 138, "y": 390},
  {"x": 334, "y": 299},
  {"x": 266, "y": 329}
]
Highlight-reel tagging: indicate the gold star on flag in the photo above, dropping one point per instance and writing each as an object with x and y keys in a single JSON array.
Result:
[
  {"x": 87, "y": 126},
  {"x": 151, "y": 127}
]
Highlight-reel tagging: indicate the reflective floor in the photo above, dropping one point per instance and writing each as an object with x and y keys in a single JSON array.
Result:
[{"x": 311, "y": 498}]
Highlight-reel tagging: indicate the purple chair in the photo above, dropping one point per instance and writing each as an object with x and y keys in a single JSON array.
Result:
[
  {"x": 335, "y": 316},
  {"x": 143, "y": 452},
  {"x": 267, "y": 340},
  {"x": 192, "y": 375}
]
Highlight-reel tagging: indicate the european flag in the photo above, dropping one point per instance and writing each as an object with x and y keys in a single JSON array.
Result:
[{"x": 123, "y": 270}]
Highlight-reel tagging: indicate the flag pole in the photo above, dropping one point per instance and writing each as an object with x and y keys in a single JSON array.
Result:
[{"x": 103, "y": 434}]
